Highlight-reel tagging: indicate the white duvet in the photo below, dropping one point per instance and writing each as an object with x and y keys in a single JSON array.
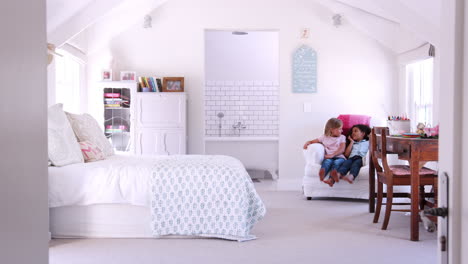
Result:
[{"x": 121, "y": 178}]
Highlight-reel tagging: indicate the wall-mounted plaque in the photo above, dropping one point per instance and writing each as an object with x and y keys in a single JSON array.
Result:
[{"x": 304, "y": 67}]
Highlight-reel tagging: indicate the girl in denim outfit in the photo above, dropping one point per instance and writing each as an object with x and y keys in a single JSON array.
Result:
[
  {"x": 355, "y": 152},
  {"x": 334, "y": 143}
]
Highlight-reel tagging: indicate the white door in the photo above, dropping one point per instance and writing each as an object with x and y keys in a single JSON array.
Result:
[{"x": 453, "y": 121}]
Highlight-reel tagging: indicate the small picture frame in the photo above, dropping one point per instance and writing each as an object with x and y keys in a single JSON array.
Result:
[
  {"x": 127, "y": 76},
  {"x": 173, "y": 84},
  {"x": 106, "y": 75}
]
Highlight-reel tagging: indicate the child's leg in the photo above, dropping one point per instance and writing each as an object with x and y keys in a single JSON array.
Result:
[
  {"x": 337, "y": 162},
  {"x": 344, "y": 168},
  {"x": 355, "y": 167},
  {"x": 326, "y": 165}
]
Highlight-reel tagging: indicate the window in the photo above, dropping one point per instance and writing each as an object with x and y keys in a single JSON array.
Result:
[
  {"x": 68, "y": 81},
  {"x": 419, "y": 86}
]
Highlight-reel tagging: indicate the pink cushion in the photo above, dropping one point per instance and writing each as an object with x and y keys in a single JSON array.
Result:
[
  {"x": 350, "y": 120},
  {"x": 401, "y": 170},
  {"x": 91, "y": 152}
]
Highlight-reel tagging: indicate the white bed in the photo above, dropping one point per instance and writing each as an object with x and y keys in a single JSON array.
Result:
[{"x": 113, "y": 197}]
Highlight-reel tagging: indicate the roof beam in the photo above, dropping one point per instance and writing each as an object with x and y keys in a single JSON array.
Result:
[
  {"x": 423, "y": 28},
  {"x": 81, "y": 20}
]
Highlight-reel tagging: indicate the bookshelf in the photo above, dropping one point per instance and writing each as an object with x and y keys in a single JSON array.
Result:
[{"x": 118, "y": 113}]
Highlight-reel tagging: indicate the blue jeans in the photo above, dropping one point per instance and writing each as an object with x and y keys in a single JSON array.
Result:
[
  {"x": 352, "y": 165},
  {"x": 332, "y": 164}
]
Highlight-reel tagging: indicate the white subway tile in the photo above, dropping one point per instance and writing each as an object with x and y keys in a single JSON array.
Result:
[
  {"x": 258, "y": 102},
  {"x": 267, "y": 103},
  {"x": 220, "y": 103},
  {"x": 228, "y": 83},
  {"x": 236, "y": 108},
  {"x": 210, "y": 102},
  {"x": 243, "y": 107},
  {"x": 220, "y": 93},
  {"x": 267, "y": 132},
  {"x": 267, "y": 93},
  {"x": 230, "y": 102},
  {"x": 219, "y": 83},
  {"x": 258, "y": 132},
  {"x": 235, "y": 88},
  {"x": 268, "y": 83},
  {"x": 248, "y": 83},
  {"x": 210, "y": 122},
  {"x": 258, "y": 93},
  {"x": 239, "y": 83},
  {"x": 258, "y": 83},
  {"x": 254, "y": 117},
  {"x": 267, "y": 113},
  {"x": 248, "y": 93}
]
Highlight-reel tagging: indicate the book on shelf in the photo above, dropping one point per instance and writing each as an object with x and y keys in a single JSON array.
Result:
[
  {"x": 159, "y": 83},
  {"x": 111, "y": 95},
  {"x": 153, "y": 84}
]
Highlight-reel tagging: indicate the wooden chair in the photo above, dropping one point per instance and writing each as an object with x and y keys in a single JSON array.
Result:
[{"x": 394, "y": 175}]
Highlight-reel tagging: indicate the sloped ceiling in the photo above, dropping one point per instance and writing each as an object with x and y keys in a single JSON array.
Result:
[{"x": 399, "y": 25}]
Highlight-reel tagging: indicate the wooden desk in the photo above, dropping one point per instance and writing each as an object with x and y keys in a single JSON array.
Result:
[{"x": 414, "y": 150}]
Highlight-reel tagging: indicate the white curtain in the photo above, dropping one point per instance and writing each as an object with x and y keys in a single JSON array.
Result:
[{"x": 419, "y": 84}]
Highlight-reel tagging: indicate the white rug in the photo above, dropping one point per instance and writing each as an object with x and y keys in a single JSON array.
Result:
[{"x": 294, "y": 231}]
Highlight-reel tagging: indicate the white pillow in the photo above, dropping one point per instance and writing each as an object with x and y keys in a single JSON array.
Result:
[
  {"x": 86, "y": 128},
  {"x": 63, "y": 147}
]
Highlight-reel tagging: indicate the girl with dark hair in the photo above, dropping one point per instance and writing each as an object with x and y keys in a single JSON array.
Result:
[{"x": 355, "y": 152}]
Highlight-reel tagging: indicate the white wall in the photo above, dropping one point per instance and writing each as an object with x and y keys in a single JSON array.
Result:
[
  {"x": 356, "y": 75},
  {"x": 23, "y": 114}
]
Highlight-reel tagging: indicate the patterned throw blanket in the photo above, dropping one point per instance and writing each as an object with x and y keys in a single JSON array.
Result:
[{"x": 207, "y": 196}]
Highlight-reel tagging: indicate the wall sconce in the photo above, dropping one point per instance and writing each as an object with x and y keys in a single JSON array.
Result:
[{"x": 147, "y": 21}]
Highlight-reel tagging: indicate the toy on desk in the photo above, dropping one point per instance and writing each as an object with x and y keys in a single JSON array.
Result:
[{"x": 420, "y": 129}]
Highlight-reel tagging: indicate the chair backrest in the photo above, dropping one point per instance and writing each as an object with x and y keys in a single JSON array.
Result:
[
  {"x": 379, "y": 148},
  {"x": 350, "y": 120}
]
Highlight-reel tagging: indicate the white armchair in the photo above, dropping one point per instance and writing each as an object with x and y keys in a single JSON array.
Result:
[{"x": 312, "y": 186}]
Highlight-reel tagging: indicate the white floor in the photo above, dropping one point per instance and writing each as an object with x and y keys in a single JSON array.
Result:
[{"x": 294, "y": 231}]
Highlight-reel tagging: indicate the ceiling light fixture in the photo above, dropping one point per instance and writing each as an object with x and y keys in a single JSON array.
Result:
[
  {"x": 239, "y": 33},
  {"x": 336, "y": 20}
]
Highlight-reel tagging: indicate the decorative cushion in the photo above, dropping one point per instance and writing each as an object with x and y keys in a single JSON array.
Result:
[
  {"x": 91, "y": 152},
  {"x": 63, "y": 148},
  {"x": 86, "y": 128},
  {"x": 350, "y": 120},
  {"x": 404, "y": 170}
]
